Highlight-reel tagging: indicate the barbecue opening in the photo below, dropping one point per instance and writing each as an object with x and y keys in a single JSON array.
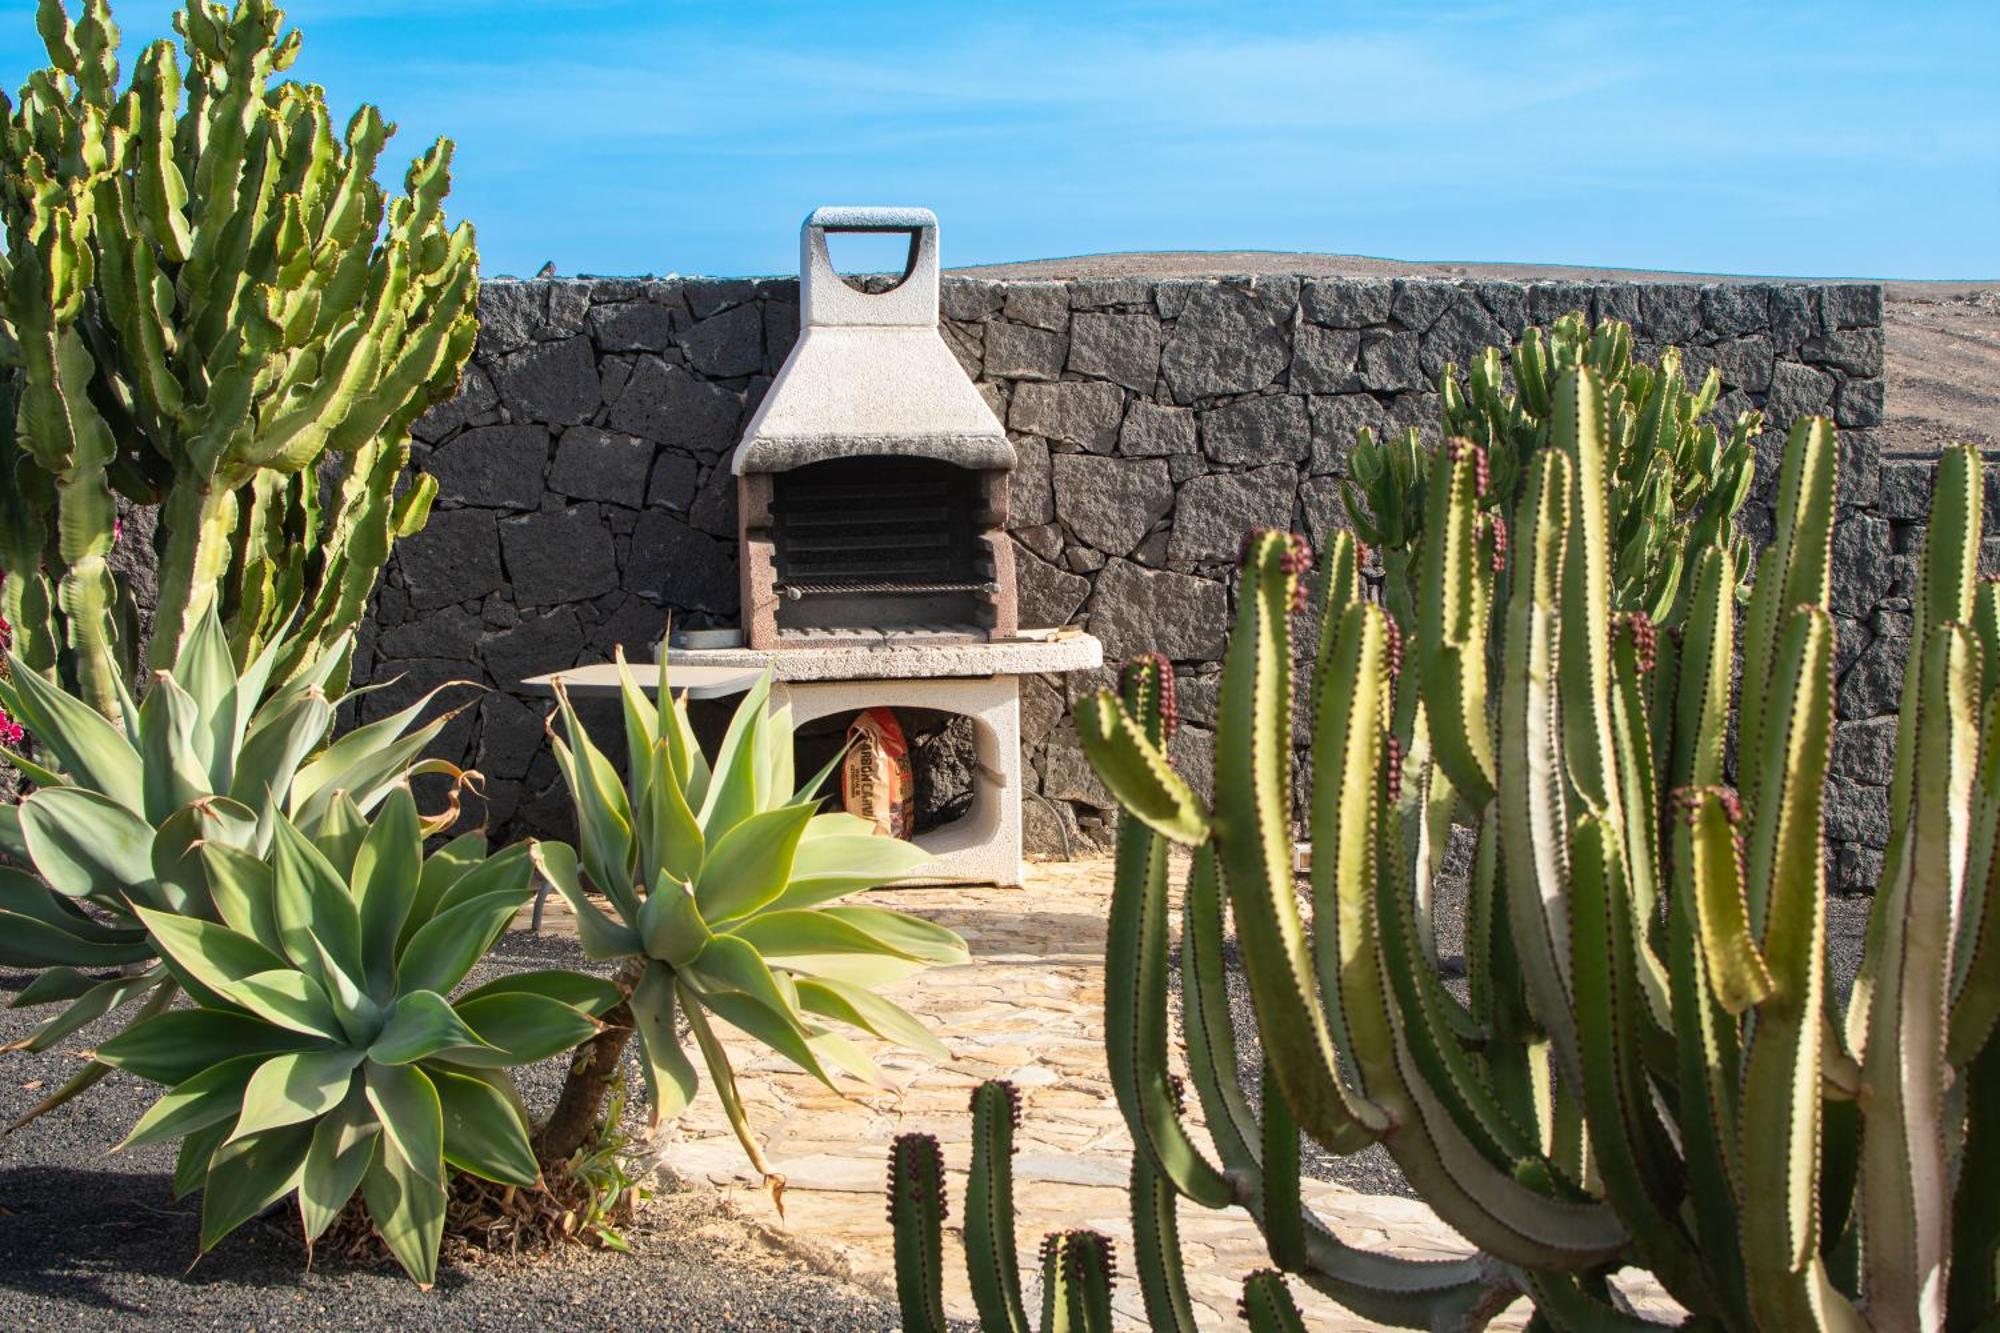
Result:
[{"x": 872, "y": 543}]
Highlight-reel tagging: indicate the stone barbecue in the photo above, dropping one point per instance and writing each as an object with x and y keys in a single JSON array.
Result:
[{"x": 872, "y": 481}]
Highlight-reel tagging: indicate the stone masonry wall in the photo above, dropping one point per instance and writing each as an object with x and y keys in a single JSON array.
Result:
[{"x": 585, "y": 492}]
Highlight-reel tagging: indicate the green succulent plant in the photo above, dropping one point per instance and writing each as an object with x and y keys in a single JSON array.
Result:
[
  {"x": 325, "y": 1054},
  {"x": 209, "y": 304},
  {"x": 1651, "y": 1068},
  {"x": 124, "y": 809},
  {"x": 721, "y": 882},
  {"x": 1078, "y": 1267},
  {"x": 1674, "y": 482}
]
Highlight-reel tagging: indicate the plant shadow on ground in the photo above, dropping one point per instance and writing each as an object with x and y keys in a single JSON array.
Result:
[{"x": 90, "y": 1231}]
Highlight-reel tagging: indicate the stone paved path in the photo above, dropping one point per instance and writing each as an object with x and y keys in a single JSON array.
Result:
[{"x": 1028, "y": 1008}]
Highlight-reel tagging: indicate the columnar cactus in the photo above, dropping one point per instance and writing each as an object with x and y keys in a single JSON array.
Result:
[
  {"x": 1651, "y": 1068},
  {"x": 1674, "y": 482},
  {"x": 204, "y": 310},
  {"x": 1079, "y": 1268}
]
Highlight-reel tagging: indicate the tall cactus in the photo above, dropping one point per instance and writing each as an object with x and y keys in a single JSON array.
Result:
[
  {"x": 1651, "y": 1068},
  {"x": 210, "y": 305},
  {"x": 1674, "y": 481}
]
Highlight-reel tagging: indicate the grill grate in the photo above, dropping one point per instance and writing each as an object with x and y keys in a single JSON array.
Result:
[{"x": 860, "y": 587}]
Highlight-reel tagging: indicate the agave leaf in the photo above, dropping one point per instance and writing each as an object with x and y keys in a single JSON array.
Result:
[
  {"x": 670, "y": 1077},
  {"x": 290, "y": 999},
  {"x": 518, "y": 1028},
  {"x": 406, "y": 1103},
  {"x": 861, "y": 1008},
  {"x": 732, "y": 794},
  {"x": 249, "y": 1175},
  {"x": 242, "y": 888},
  {"x": 407, "y": 1207},
  {"x": 790, "y": 933},
  {"x": 906, "y": 934},
  {"x": 600, "y": 937},
  {"x": 295, "y": 1086},
  {"x": 91, "y": 752},
  {"x": 576, "y": 990},
  {"x": 442, "y": 951},
  {"x": 209, "y": 1098},
  {"x": 87, "y": 845},
  {"x": 387, "y": 865},
  {"x": 834, "y": 865},
  {"x": 207, "y": 956},
  {"x": 344, "y": 1145},
  {"x": 314, "y": 907},
  {"x": 749, "y": 866},
  {"x": 173, "y": 1047},
  {"x": 483, "y": 1131},
  {"x": 422, "y": 1025}
]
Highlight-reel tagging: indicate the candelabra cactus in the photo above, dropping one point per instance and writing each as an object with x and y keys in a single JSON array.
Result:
[
  {"x": 1674, "y": 482},
  {"x": 204, "y": 310},
  {"x": 1651, "y": 1067}
]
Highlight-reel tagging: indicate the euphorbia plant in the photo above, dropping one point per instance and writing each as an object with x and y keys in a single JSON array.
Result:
[
  {"x": 721, "y": 881},
  {"x": 324, "y": 1055},
  {"x": 210, "y": 304}
]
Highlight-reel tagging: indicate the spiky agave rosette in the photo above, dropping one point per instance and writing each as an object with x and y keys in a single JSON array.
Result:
[
  {"x": 212, "y": 757},
  {"x": 324, "y": 1055},
  {"x": 722, "y": 881}
]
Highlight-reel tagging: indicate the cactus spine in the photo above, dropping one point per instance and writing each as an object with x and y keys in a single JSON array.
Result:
[
  {"x": 211, "y": 306},
  {"x": 1652, "y": 1068}
]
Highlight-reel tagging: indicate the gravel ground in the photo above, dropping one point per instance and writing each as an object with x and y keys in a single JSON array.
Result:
[
  {"x": 94, "y": 1241},
  {"x": 1373, "y": 1171}
]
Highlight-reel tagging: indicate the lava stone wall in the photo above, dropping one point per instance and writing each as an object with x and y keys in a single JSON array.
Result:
[{"x": 585, "y": 495}]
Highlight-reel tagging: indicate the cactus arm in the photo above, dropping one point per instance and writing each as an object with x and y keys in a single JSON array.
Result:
[
  {"x": 1701, "y": 699},
  {"x": 990, "y": 1257},
  {"x": 1631, "y": 659},
  {"x": 1903, "y": 1158},
  {"x": 1790, "y": 573},
  {"x": 1156, "y": 1249},
  {"x": 1947, "y": 574},
  {"x": 1976, "y": 957},
  {"x": 1637, "y": 1163},
  {"x": 1482, "y": 1201},
  {"x": 1252, "y": 783},
  {"x": 1135, "y": 1016},
  {"x": 1973, "y": 1295},
  {"x": 1533, "y": 820},
  {"x": 916, "y": 1215},
  {"x": 1284, "y": 1219},
  {"x": 1267, "y": 1307},
  {"x": 1389, "y": 1289},
  {"x": 1452, "y": 621},
  {"x": 1708, "y": 1045},
  {"x": 1137, "y": 772},
  {"x": 1789, "y": 1287},
  {"x": 1576, "y": 428}
]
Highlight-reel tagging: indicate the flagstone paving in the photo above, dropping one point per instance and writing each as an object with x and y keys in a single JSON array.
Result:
[{"x": 1028, "y": 1008}]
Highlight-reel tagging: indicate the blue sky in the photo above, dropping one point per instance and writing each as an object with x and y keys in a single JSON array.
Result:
[{"x": 620, "y": 136}]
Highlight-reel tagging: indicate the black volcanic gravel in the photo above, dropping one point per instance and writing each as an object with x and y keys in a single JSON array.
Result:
[{"x": 94, "y": 1241}]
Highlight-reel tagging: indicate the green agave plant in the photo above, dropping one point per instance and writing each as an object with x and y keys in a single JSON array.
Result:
[
  {"x": 323, "y": 1055},
  {"x": 1674, "y": 482},
  {"x": 124, "y": 808},
  {"x": 719, "y": 879}
]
